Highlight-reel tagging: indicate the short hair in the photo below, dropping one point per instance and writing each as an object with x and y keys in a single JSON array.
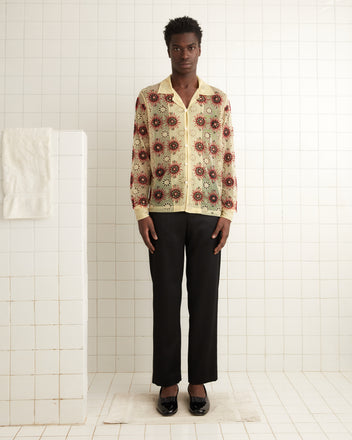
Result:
[{"x": 180, "y": 25}]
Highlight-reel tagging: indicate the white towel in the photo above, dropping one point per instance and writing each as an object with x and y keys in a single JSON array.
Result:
[{"x": 26, "y": 160}]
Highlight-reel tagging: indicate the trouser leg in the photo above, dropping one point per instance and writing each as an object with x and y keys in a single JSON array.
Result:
[
  {"x": 166, "y": 266},
  {"x": 203, "y": 272}
]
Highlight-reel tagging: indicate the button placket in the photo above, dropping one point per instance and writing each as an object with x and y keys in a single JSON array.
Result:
[{"x": 187, "y": 171}]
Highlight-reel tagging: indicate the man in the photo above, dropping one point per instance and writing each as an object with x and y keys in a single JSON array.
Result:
[{"x": 183, "y": 190}]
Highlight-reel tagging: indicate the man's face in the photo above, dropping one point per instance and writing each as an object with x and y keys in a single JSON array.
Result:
[{"x": 184, "y": 51}]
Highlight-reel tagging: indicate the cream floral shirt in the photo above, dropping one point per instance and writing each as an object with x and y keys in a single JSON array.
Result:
[{"x": 183, "y": 158}]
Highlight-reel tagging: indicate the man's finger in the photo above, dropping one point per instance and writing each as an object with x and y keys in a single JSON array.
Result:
[
  {"x": 219, "y": 247},
  {"x": 148, "y": 243},
  {"x": 217, "y": 230},
  {"x": 153, "y": 232},
  {"x": 221, "y": 243}
]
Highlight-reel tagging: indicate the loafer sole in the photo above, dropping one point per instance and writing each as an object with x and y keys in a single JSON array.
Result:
[{"x": 167, "y": 414}]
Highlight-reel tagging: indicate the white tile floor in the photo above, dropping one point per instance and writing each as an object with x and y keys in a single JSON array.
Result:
[{"x": 293, "y": 406}]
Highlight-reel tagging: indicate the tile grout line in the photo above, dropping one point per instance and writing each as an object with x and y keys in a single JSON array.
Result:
[
  {"x": 302, "y": 398},
  {"x": 338, "y": 391},
  {"x": 306, "y": 375},
  {"x": 102, "y": 406},
  {"x": 282, "y": 403}
]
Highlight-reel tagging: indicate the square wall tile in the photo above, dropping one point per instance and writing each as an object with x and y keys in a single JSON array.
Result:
[
  {"x": 72, "y": 411},
  {"x": 47, "y": 411}
]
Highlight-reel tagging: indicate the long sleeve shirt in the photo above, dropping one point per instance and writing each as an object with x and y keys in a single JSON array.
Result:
[{"x": 183, "y": 158}]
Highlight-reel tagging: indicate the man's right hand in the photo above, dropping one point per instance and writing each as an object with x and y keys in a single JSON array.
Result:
[{"x": 145, "y": 226}]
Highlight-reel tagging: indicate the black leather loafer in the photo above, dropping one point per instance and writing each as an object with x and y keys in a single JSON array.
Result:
[
  {"x": 199, "y": 406},
  {"x": 167, "y": 406}
]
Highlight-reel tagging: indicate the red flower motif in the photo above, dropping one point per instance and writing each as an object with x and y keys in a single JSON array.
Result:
[
  {"x": 156, "y": 122},
  {"x": 159, "y": 172},
  {"x": 174, "y": 169},
  {"x": 202, "y": 99},
  {"x": 228, "y": 157},
  {"x": 228, "y": 204},
  {"x": 158, "y": 195},
  {"x": 215, "y": 124},
  {"x": 172, "y": 121},
  {"x": 175, "y": 193},
  {"x": 197, "y": 196},
  {"x": 142, "y": 130},
  {"x": 153, "y": 97},
  {"x": 213, "y": 198},
  {"x": 226, "y": 132},
  {"x": 143, "y": 155},
  {"x": 199, "y": 171},
  {"x": 216, "y": 99},
  {"x": 200, "y": 121},
  {"x": 213, "y": 149},
  {"x": 158, "y": 147},
  {"x": 229, "y": 181},
  {"x": 173, "y": 145},
  {"x": 199, "y": 146},
  {"x": 143, "y": 179},
  {"x": 143, "y": 201},
  {"x": 212, "y": 174}
]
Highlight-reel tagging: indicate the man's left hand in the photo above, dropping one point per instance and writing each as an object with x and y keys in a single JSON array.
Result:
[{"x": 222, "y": 227}]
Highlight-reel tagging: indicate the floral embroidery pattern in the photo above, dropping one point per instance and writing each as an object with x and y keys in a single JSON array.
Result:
[
  {"x": 202, "y": 99},
  {"x": 175, "y": 193},
  {"x": 174, "y": 169},
  {"x": 215, "y": 124},
  {"x": 199, "y": 171},
  {"x": 173, "y": 145},
  {"x": 156, "y": 122},
  {"x": 213, "y": 149},
  {"x": 153, "y": 97},
  {"x": 143, "y": 130},
  {"x": 172, "y": 121},
  {"x": 199, "y": 146},
  {"x": 216, "y": 99},
  {"x": 158, "y": 195},
  {"x": 159, "y": 172},
  {"x": 183, "y": 161},
  {"x": 213, "y": 198},
  {"x": 197, "y": 196},
  {"x": 200, "y": 121},
  {"x": 158, "y": 147}
]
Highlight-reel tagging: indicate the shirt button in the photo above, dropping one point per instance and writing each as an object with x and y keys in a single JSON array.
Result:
[{"x": 186, "y": 182}]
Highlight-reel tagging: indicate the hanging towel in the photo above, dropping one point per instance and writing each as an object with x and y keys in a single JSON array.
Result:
[{"x": 26, "y": 161}]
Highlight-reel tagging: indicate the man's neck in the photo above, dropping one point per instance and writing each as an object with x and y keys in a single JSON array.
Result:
[{"x": 184, "y": 81}]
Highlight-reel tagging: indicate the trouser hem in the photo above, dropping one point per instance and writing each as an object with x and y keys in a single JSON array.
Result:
[{"x": 167, "y": 383}]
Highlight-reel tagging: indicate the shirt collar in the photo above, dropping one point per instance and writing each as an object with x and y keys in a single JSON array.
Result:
[{"x": 203, "y": 88}]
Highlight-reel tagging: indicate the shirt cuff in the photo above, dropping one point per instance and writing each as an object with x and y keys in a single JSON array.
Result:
[
  {"x": 227, "y": 214},
  {"x": 141, "y": 212}
]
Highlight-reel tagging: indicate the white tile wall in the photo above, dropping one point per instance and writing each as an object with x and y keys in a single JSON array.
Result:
[
  {"x": 286, "y": 65},
  {"x": 43, "y": 300}
]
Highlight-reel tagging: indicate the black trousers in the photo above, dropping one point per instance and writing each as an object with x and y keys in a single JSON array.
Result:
[{"x": 178, "y": 232}]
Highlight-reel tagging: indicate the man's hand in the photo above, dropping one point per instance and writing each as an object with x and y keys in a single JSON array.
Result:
[
  {"x": 223, "y": 226},
  {"x": 145, "y": 226}
]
